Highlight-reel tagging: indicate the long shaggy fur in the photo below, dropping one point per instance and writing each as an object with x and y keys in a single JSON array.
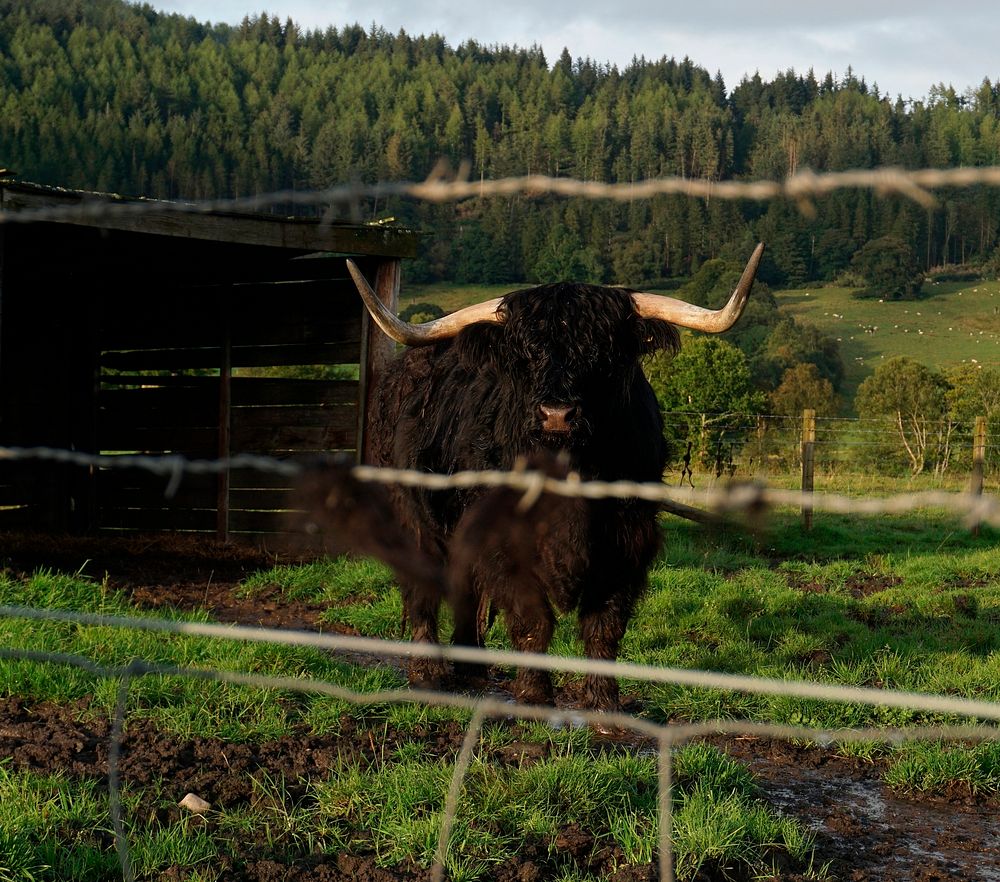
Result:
[{"x": 473, "y": 403}]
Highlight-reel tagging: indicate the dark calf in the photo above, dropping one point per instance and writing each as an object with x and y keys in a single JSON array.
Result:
[
  {"x": 356, "y": 517},
  {"x": 508, "y": 554}
]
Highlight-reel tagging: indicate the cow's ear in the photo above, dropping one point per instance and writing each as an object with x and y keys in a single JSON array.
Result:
[
  {"x": 477, "y": 344},
  {"x": 655, "y": 335}
]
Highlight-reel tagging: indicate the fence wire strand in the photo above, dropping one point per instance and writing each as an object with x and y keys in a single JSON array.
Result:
[
  {"x": 739, "y": 497},
  {"x": 443, "y": 186}
]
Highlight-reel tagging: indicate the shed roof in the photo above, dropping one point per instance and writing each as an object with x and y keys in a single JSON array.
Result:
[{"x": 109, "y": 211}]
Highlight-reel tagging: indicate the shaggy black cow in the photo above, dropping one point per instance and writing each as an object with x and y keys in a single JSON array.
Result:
[{"x": 555, "y": 367}]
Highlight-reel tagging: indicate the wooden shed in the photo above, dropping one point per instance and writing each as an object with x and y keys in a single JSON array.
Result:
[{"x": 205, "y": 334}]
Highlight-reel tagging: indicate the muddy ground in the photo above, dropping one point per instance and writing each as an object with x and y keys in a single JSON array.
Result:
[{"x": 864, "y": 831}]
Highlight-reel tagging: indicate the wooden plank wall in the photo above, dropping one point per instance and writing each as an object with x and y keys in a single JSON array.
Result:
[{"x": 198, "y": 373}]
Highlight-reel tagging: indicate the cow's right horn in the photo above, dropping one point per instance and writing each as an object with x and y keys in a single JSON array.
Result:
[
  {"x": 428, "y": 332},
  {"x": 687, "y": 315}
]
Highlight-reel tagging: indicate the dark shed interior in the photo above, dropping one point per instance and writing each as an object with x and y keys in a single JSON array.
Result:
[{"x": 160, "y": 331}]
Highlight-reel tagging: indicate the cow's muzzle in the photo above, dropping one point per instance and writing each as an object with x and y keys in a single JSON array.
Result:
[{"x": 558, "y": 419}]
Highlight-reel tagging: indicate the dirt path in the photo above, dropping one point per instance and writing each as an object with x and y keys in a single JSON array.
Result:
[{"x": 864, "y": 831}]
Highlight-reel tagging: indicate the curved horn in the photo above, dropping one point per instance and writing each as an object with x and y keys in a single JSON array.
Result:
[
  {"x": 687, "y": 315},
  {"x": 428, "y": 332}
]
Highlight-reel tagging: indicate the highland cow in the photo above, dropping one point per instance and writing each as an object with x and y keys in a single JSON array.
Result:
[{"x": 557, "y": 368}]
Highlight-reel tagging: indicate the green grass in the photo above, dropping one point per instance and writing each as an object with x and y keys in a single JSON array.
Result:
[
  {"x": 928, "y": 625},
  {"x": 935, "y": 767},
  {"x": 828, "y": 606},
  {"x": 54, "y": 827},
  {"x": 452, "y": 295},
  {"x": 951, "y": 323},
  {"x": 718, "y": 818},
  {"x": 181, "y": 705},
  {"x": 831, "y": 606},
  {"x": 57, "y": 827}
]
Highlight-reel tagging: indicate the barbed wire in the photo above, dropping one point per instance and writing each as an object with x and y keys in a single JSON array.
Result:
[
  {"x": 748, "y": 496},
  {"x": 443, "y": 186},
  {"x": 668, "y": 736}
]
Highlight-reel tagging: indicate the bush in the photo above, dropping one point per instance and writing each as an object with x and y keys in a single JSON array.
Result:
[
  {"x": 421, "y": 312},
  {"x": 701, "y": 390},
  {"x": 889, "y": 268}
]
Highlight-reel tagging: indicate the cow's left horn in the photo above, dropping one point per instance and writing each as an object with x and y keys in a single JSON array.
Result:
[
  {"x": 428, "y": 332},
  {"x": 687, "y": 315}
]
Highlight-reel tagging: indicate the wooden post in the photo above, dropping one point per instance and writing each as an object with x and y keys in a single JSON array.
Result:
[
  {"x": 225, "y": 418},
  {"x": 377, "y": 350},
  {"x": 808, "y": 445},
  {"x": 978, "y": 462}
]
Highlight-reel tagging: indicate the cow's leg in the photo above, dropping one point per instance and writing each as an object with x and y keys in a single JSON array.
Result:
[
  {"x": 421, "y": 603},
  {"x": 601, "y": 630},
  {"x": 466, "y": 599},
  {"x": 530, "y": 624}
]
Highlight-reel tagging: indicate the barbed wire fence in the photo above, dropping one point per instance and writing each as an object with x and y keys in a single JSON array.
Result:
[
  {"x": 442, "y": 186},
  {"x": 733, "y": 499},
  {"x": 767, "y": 446}
]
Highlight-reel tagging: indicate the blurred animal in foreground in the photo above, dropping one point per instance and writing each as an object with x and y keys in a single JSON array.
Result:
[
  {"x": 507, "y": 555},
  {"x": 357, "y": 517}
]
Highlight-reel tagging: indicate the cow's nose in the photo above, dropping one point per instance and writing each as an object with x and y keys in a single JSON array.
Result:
[{"x": 557, "y": 417}]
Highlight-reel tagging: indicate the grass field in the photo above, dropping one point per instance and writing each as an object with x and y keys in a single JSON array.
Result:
[
  {"x": 951, "y": 323},
  {"x": 900, "y": 602}
]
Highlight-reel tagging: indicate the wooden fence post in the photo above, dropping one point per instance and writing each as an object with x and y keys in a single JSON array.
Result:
[
  {"x": 808, "y": 445},
  {"x": 978, "y": 462}
]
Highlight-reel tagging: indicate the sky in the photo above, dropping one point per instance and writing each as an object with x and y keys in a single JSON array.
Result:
[{"x": 903, "y": 47}]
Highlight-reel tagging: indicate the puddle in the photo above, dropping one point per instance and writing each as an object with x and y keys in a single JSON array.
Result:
[{"x": 869, "y": 833}]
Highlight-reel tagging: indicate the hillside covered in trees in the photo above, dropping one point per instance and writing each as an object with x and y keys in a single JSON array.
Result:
[{"x": 100, "y": 94}]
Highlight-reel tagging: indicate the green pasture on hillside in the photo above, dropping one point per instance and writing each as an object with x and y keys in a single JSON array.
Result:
[{"x": 952, "y": 322}]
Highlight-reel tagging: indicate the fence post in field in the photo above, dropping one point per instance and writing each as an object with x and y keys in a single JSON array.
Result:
[
  {"x": 978, "y": 462},
  {"x": 808, "y": 444}
]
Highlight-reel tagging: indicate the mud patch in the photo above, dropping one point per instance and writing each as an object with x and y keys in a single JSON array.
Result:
[
  {"x": 859, "y": 585},
  {"x": 866, "y": 584},
  {"x": 865, "y": 830}
]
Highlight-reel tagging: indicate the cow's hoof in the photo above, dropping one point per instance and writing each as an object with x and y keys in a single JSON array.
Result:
[
  {"x": 534, "y": 687},
  {"x": 427, "y": 673}
]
